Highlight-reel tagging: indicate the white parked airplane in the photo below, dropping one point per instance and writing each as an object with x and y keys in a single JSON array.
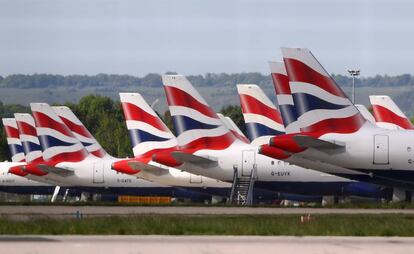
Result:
[
  {"x": 67, "y": 162},
  {"x": 152, "y": 141},
  {"x": 208, "y": 147},
  {"x": 330, "y": 129}
]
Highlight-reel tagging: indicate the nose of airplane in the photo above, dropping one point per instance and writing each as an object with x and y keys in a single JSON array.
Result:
[
  {"x": 17, "y": 170},
  {"x": 122, "y": 166}
]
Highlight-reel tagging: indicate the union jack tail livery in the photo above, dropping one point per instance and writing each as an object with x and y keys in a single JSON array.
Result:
[
  {"x": 228, "y": 122},
  {"x": 197, "y": 125},
  {"x": 80, "y": 131},
  {"x": 149, "y": 135},
  {"x": 28, "y": 137},
  {"x": 57, "y": 141},
  {"x": 13, "y": 140},
  {"x": 387, "y": 114},
  {"x": 284, "y": 96},
  {"x": 262, "y": 118},
  {"x": 365, "y": 113},
  {"x": 321, "y": 105}
]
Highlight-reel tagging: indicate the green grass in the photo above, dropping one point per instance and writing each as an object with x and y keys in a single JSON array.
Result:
[{"x": 320, "y": 225}]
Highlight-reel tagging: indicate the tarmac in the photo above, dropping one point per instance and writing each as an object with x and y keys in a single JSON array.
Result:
[
  {"x": 203, "y": 244},
  {"x": 91, "y": 211}
]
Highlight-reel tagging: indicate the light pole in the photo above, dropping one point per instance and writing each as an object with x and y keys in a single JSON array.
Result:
[{"x": 353, "y": 73}]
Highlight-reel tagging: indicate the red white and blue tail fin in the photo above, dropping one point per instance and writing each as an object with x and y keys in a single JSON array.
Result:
[
  {"x": 387, "y": 114},
  {"x": 147, "y": 131},
  {"x": 13, "y": 140},
  {"x": 80, "y": 131},
  {"x": 262, "y": 118},
  {"x": 57, "y": 141},
  {"x": 321, "y": 105},
  {"x": 197, "y": 125},
  {"x": 284, "y": 96},
  {"x": 233, "y": 127},
  {"x": 365, "y": 113},
  {"x": 28, "y": 137}
]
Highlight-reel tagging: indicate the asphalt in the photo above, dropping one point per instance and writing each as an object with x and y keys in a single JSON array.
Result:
[
  {"x": 204, "y": 244},
  {"x": 137, "y": 210},
  {"x": 29, "y": 212}
]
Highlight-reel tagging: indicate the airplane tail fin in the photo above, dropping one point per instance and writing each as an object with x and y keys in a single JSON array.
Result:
[
  {"x": 79, "y": 131},
  {"x": 321, "y": 105},
  {"x": 284, "y": 96},
  {"x": 197, "y": 125},
  {"x": 13, "y": 140},
  {"x": 233, "y": 128},
  {"x": 387, "y": 114},
  {"x": 147, "y": 131},
  {"x": 365, "y": 113},
  {"x": 57, "y": 141},
  {"x": 262, "y": 118},
  {"x": 28, "y": 137}
]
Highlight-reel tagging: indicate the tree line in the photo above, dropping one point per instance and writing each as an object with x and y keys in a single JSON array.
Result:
[{"x": 112, "y": 81}]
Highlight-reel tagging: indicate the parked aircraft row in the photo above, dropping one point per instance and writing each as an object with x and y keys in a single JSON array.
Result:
[{"x": 315, "y": 144}]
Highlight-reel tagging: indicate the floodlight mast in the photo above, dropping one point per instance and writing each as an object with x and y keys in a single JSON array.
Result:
[{"x": 354, "y": 73}]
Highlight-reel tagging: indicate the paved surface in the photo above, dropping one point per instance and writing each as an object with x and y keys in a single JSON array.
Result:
[
  {"x": 53, "y": 211},
  {"x": 204, "y": 244}
]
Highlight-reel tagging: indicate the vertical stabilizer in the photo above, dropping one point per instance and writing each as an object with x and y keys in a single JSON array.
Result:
[
  {"x": 197, "y": 125},
  {"x": 262, "y": 118},
  {"x": 13, "y": 140},
  {"x": 28, "y": 137},
  {"x": 57, "y": 141},
  {"x": 387, "y": 114},
  {"x": 80, "y": 131},
  {"x": 321, "y": 105}
]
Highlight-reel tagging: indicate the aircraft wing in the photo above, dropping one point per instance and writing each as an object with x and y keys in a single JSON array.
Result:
[
  {"x": 319, "y": 144},
  {"x": 148, "y": 168},
  {"x": 56, "y": 170},
  {"x": 191, "y": 158}
]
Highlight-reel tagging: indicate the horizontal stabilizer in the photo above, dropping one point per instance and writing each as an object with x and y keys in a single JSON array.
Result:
[
  {"x": 147, "y": 168},
  {"x": 191, "y": 158},
  {"x": 55, "y": 170},
  {"x": 308, "y": 141}
]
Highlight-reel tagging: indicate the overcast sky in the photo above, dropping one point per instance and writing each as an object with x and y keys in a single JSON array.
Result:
[{"x": 196, "y": 37}]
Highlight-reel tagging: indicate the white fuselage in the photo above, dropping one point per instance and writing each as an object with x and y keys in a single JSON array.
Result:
[
  {"x": 94, "y": 172},
  {"x": 245, "y": 157},
  {"x": 386, "y": 154}
]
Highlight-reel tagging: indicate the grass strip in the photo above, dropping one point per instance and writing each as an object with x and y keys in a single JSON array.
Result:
[{"x": 319, "y": 225}]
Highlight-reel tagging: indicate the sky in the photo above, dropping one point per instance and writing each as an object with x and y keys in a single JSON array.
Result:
[{"x": 199, "y": 36}]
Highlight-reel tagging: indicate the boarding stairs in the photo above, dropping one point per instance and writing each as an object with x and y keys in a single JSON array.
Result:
[{"x": 242, "y": 188}]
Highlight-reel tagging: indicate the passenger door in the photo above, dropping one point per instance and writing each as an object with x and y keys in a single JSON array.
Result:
[
  {"x": 248, "y": 162},
  {"x": 98, "y": 172},
  {"x": 381, "y": 149}
]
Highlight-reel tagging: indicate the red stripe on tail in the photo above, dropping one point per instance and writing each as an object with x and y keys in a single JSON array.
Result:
[
  {"x": 382, "y": 114},
  {"x": 177, "y": 97},
  {"x": 300, "y": 72}
]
